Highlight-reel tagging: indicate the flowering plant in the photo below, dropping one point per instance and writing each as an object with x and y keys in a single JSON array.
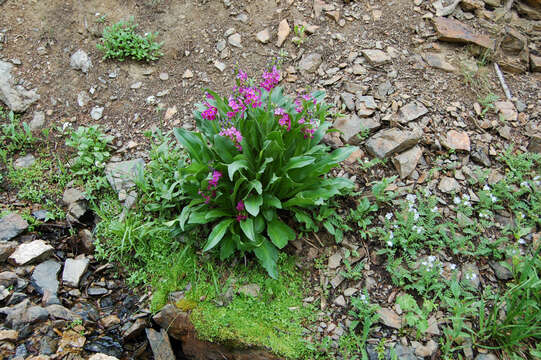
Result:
[{"x": 256, "y": 161}]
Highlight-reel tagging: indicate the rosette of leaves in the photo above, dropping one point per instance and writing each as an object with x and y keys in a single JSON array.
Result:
[{"x": 279, "y": 174}]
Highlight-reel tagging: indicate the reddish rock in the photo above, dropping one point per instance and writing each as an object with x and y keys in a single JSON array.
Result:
[
  {"x": 457, "y": 141},
  {"x": 452, "y": 30},
  {"x": 535, "y": 63}
]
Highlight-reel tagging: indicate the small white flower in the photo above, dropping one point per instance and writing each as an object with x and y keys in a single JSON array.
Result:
[
  {"x": 466, "y": 197},
  {"x": 419, "y": 230},
  {"x": 452, "y": 266},
  {"x": 456, "y": 200},
  {"x": 493, "y": 198},
  {"x": 395, "y": 226},
  {"x": 467, "y": 203},
  {"x": 416, "y": 216},
  {"x": 424, "y": 263},
  {"x": 411, "y": 198},
  {"x": 391, "y": 235},
  {"x": 435, "y": 209},
  {"x": 362, "y": 297},
  {"x": 520, "y": 216},
  {"x": 389, "y": 216},
  {"x": 441, "y": 271},
  {"x": 389, "y": 243},
  {"x": 486, "y": 187},
  {"x": 431, "y": 258},
  {"x": 521, "y": 241},
  {"x": 537, "y": 178},
  {"x": 524, "y": 184}
]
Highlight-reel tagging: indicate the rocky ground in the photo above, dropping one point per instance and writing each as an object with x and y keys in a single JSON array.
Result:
[{"x": 410, "y": 78}]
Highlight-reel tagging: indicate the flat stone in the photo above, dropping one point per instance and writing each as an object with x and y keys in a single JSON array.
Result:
[
  {"x": 74, "y": 269},
  {"x": 335, "y": 260},
  {"x": 407, "y": 161},
  {"x": 176, "y": 322},
  {"x": 164, "y": 76},
  {"x": 507, "y": 110},
  {"x": 57, "y": 311},
  {"x": 283, "y": 32},
  {"x": 404, "y": 353},
  {"x": 535, "y": 144},
  {"x": 472, "y": 5},
  {"x": 351, "y": 125},
  {"x": 456, "y": 140},
  {"x": 135, "y": 329},
  {"x": 438, "y": 61},
  {"x": 16, "y": 97},
  {"x": 448, "y": 185},
  {"x": 109, "y": 321},
  {"x": 235, "y": 40},
  {"x": 11, "y": 226},
  {"x": 136, "y": 85},
  {"x": 8, "y": 278},
  {"x": 251, "y": 290},
  {"x": 505, "y": 132},
  {"x": 219, "y": 65},
  {"x": 452, "y": 30},
  {"x": 44, "y": 277},
  {"x": 6, "y": 249},
  {"x": 391, "y": 141},
  {"x": 24, "y": 162},
  {"x": 411, "y": 111},
  {"x": 366, "y": 106},
  {"x": 426, "y": 350},
  {"x": 263, "y": 36},
  {"x": 376, "y": 57},
  {"x": 350, "y": 291},
  {"x": 348, "y": 100},
  {"x": 488, "y": 356},
  {"x": 389, "y": 318},
  {"x": 96, "y": 113},
  {"x": 500, "y": 270},
  {"x": 96, "y": 291},
  {"x": 101, "y": 356},
  {"x": 433, "y": 328},
  {"x": 9, "y": 335},
  {"x": 160, "y": 344},
  {"x": 121, "y": 175},
  {"x": 31, "y": 252},
  {"x": 310, "y": 62},
  {"x": 80, "y": 61},
  {"x": 83, "y": 98},
  {"x": 38, "y": 120},
  {"x": 71, "y": 342},
  {"x": 340, "y": 301},
  {"x": 535, "y": 63}
]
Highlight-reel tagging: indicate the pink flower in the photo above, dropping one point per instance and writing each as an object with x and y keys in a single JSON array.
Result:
[
  {"x": 206, "y": 197},
  {"x": 216, "y": 175},
  {"x": 285, "y": 120},
  {"x": 240, "y": 206},
  {"x": 242, "y": 76},
  {"x": 234, "y": 135},
  {"x": 241, "y": 217},
  {"x": 270, "y": 79},
  {"x": 298, "y": 105},
  {"x": 209, "y": 96},
  {"x": 210, "y": 113}
]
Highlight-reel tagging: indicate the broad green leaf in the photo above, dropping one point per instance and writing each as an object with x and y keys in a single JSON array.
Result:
[
  {"x": 224, "y": 148},
  {"x": 256, "y": 184},
  {"x": 227, "y": 248},
  {"x": 299, "y": 162},
  {"x": 184, "y": 216},
  {"x": 217, "y": 234},
  {"x": 259, "y": 224},
  {"x": 342, "y": 153},
  {"x": 247, "y": 227},
  {"x": 215, "y": 214},
  {"x": 235, "y": 166},
  {"x": 253, "y": 203},
  {"x": 267, "y": 255},
  {"x": 279, "y": 233},
  {"x": 269, "y": 214},
  {"x": 192, "y": 142},
  {"x": 197, "y": 217},
  {"x": 271, "y": 200}
]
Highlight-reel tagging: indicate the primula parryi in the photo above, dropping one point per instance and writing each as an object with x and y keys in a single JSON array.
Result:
[{"x": 279, "y": 172}]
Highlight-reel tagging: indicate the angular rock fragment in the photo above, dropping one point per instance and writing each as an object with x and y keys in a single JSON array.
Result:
[
  {"x": 407, "y": 161},
  {"x": 16, "y": 97},
  {"x": 411, "y": 111},
  {"x": 376, "y": 57},
  {"x": 452, "y": 30},
  {"x": 456, "y": 140},
  {"x": 351, "y": 125},
  {"x": 12, "y": 225},
  {"x": 391, "y": 141},
  {"x": 31, "y": 252}
]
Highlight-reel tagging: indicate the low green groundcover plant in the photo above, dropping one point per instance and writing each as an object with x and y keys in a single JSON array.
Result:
[
  {"x": 256, "y": 161},
  {"x": 120, "y": 41}
]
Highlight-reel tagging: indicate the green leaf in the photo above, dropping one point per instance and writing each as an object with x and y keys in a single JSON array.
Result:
[
  {"x": 217, "y": 234},
  {"x": 216, "y": 213},
  {"x": 224, "y": 148},
  {"x": 247, "y": 227},
  {"x": 299, "y": 162},
  {"x": 192, "y": 142},
  {"x": 256, "y": 184},
  {"x": 267, "y": 255},
  {"x": 227, "y": 248},
  {"x": 272, "y": 200},
  {"x": 252, "y": 204},
  {"x": 184, "y": 216},
  {"x": 198, "y": 218},
  {"x": 279, "y": 233},
  {"x": 235, "y": 166}
]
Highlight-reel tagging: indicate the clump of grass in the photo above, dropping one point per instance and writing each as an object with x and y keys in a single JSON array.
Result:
[{"x": 120, "y": 41}]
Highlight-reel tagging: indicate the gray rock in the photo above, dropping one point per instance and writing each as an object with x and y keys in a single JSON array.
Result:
[
  {"x": 96, "y": 291},
  {"x": 121, "y": 174},
  {"x": 235, "y": 40},
  {"x": 102, "y": 356},
  {"x": 411, "y": 111},
  {"x": 219, "y": 65},
  {"x": 488, "y": 356},
  {"x": 80, "y": 61},
  {"x": 310, "y": 62},
  {"x": 38, "y": 120},
  {"x": 48, "y": 345},
  {"x": 500, "y": 270},
  {"x": 16, "y": 298},
  {"x": 160, "y": 344},
  {"x": 250, "y": 290},
  {"x": 134, "y": 330},
  {"x": 12, "y": 225},
  {"x": 391, "y": 141},
  {"x": 24, "y": 162},
  {"x": 35, "y": 314},
  {"x": 6, "y": 249},
  {"x": 351, "y": 125},
  {"x": 96, "y": 113},
  {"x": 337, "y": 280},
  {"x": 448, "y": 185},
  {"x": 365, "y": 106},
  {"x": 59, "y": 312},
  {"x": 335, "y": 260},
  {"x": 86, "y": 241},
  {"x": 404, "y": 353},
  {"x": 347, "y": 99},
  {"x": 389, "y": 318},
  {"x": 438, "y": 61},
  {"x": 407, "y": 161},
  {"x": 31, "y": 252},
  {"x": 340, "y": 301},
  {"x": 16, "y": 97},
  {"x": 263, "y": 36},
  {"x": 8, "y": 278},
  {"x": 376, "y": 57},
  {"x": 83, "y": 98},
  {"x": 73, "y": 271},
  {"x": 76, "y": 202},
  {"x": 44, "y": 278}
]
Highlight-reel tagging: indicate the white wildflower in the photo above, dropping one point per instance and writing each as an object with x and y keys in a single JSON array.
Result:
[
  {"x": 456, "y": 200},
  {"x": 411, "y": 198},
  {"x": 389, "y": 216},
  {"x": 435, "y": 209},
  {"x": 493, "y": 198},
  {"x": 521, "y": 241},
  {"x": 389, "y": 243},
  {"x": 391, "y": 235},
  {"x": 486, "y": 187}
]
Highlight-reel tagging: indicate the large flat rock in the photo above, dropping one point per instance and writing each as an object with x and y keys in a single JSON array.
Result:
[
  {"x": 12, "y": 225},
  {"x": 452, "y": 30},
  {"x": 31, "y": 252},
  {"x": 391, "y": 141},
  {"x": 16, "y": 97}
]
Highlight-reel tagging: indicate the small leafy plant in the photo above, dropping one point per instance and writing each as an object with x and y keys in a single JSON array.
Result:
[
  {"x": 92, "y": 153},
  {"x": 14, "y": 135},
  {"x": 256, "y": 164},
  {"x": 120, "y": 41}
]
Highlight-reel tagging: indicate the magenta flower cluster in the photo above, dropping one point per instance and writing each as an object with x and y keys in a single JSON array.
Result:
[
  {"x": 285, "y": 120},
  {"x": 213, "y": 184},
  {"x": 209, "y": 113},
  {"x": 241, "y": 215},
  {"x": 234, "y": 135},
  {"x": 270, "y": 79}
]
